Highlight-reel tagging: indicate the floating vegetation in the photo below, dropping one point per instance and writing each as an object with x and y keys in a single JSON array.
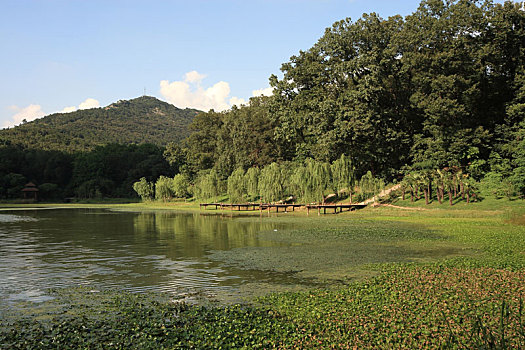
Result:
[{"x": 404, "y": 307}]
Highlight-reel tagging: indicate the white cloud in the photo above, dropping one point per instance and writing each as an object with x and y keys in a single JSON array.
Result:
[
  {"x": 189, "y": 93},
  {"x": 194, "y": 77},
  {"x": 68, "y": 109},
  {"x": 34, "y": 111},
  {"x": 28, "y": 113},
  {"x": 88, "y": 103},
  {"x": 237, "y": 101},
  {"x": 263, "y": 92}
]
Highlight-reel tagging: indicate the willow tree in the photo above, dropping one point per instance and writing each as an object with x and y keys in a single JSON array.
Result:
[
  {"x": 272, "y": 183},
  {"x": 163, "y": 189},
  {"x": 343, "y": 175},
  {"x": 251, "y": 180},
  {"x": 298, "y": 181},
  {"x": 180, "y": 186},
  {"x": 317, "y": 180},
  {"x": 207, "y": 185},
  {"x": 237, "y": 185},
  {"x": 371, "y": 186},
  {"x": 145, "y": 189}
]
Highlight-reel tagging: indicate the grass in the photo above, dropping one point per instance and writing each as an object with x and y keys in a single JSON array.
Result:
[{"x": 465, "y": 290}]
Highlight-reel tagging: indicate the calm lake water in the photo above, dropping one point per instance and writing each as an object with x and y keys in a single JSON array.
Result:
[{"x": 159, "y": 251}]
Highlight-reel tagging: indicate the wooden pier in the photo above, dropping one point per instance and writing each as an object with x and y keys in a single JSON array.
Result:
[
  {"x": 335, "y": 207},
  {"x": 251, "y": 206},
  {"x": 206, "y": 205},
  {"x": 231, "y": 206},
  {"x": 283, "y": 207}
]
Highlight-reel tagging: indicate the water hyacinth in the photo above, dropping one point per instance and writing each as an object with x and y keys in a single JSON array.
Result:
[{"x": 411, "y": 307}]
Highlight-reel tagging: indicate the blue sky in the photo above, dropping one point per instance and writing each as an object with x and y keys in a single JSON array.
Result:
[{"x": 61, "y": 55}]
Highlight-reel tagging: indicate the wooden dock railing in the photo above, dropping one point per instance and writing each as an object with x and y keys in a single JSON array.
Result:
[{"x": 284, "y": 207}]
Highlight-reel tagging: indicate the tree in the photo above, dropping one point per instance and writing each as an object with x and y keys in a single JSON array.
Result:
[
  {"x": 448, "y": 182},
  {"x": 207, "y": 185},
  {"x": 497, "y": 185},
  {"x": 318, "y": 180},
  {"x": 345, "y": 95},
  {"x": 251, "y": 179},
  {"x": 202, "y": 143},
  {"x": 370, "y": 186},
  {"x": 439, "y": 182},
  {"x": 237, "y": 186},
  {"x": 271, "y": 183},
  {"x": 163, "y": 188},
  {"x": 176, "y": 156},
  {"x": 343, "y": 175},
  {"x": 144, "y": 189},
  {"x": 180, "y": 186}
]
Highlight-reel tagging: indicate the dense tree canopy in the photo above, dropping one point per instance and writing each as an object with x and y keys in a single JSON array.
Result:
[
  {"x": 107, "y": 171},
  {"x": 442, "y": 87}
]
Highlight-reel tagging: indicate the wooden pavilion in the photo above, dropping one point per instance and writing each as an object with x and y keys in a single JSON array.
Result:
[{"x": 30, "y": 191}]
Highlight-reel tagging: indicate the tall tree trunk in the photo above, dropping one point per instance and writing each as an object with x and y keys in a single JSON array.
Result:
[
  {"x": 426, "y": 195},
  {"x": 468, "y": 197},
  {"x": 403, "y": 193},
  {"x": 350, "y": 197},
  {"x": 450, "y": 196},
  {"x": 438, "y": 195},
  {"x": 411, "y": 195}
]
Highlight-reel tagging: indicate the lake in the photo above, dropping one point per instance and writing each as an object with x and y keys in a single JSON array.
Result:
[
  {"x": 198, "y": 255},
  {"x": 160, "y": 251}
]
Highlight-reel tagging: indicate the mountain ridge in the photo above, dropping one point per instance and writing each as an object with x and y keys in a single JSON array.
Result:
[{"x": 144, "y": 119}]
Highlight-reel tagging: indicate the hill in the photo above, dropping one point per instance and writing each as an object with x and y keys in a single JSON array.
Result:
[{"x": 141, "y": 120}]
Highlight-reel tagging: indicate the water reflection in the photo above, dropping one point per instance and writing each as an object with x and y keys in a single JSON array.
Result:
[
  {"x": 160, "y": 251},
  {"x": 195, "y": 234}
]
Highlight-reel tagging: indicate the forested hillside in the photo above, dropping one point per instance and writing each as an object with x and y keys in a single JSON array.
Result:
[
  {"x": 443, "y": 88},
  {"x": 140, "y": 120}
]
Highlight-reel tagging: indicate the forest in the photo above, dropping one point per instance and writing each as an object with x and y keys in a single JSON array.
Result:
[
  {"x": 140, "y": 120},
  {"x": 436, "y": 98}
]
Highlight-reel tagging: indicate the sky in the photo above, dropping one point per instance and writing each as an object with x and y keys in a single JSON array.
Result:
[{"x": 64, "y": 55}]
